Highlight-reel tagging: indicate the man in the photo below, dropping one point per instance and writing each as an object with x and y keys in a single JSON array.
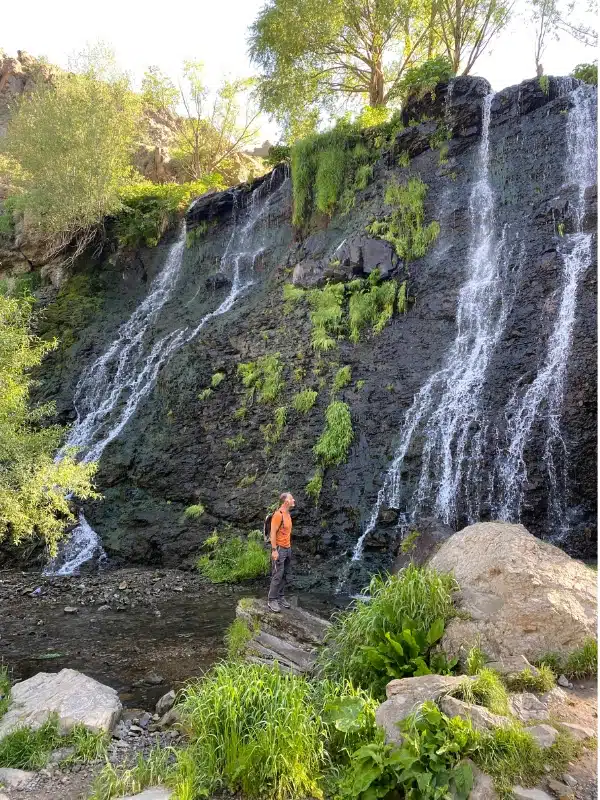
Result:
[{"x": 281, "y": 553}]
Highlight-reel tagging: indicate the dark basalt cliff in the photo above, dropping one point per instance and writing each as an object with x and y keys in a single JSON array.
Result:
[{"x": 174, "y": 451}]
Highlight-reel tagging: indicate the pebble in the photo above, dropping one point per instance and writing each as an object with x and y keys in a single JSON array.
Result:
[
  {"x": 70, "y": 610},
  {"x": 564, "y": 682},
  {"x": 569, "y": 779}
]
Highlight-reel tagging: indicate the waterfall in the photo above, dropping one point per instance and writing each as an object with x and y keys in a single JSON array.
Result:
[
  {"x": 542, "y": 400},
  {"x": 111, "y": 389},
  {"x": 447, "y": 412}
]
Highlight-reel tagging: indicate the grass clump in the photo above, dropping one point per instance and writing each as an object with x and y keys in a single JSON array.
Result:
[
  {"x": 302, "y": 402},
  {"x": 248, "y": 480},
  {"x": 217, "y": 379},
  {"x": 237, "y": 636},
  {"x": 580, "y": 663},
  {"x": 5, "y": 684},
  {"x": 235, "y": 442},
  {"x": 417, "y": 600},
  {"x": 475, "y": 660},
  {"x": 486, "y": 690},
  {"x": 332, "y": 446},
  {"x": 326, "y": 315},
  {"x": 404, "y": 228},
  {"x": 314, "y": 486},
  {"x": 156, "y": 768},
  {"x": 194, "y": 511},
  {"x": 527, "y": 681},
  {"x": 342, "y": 378},
  {"x": 232, "y": 559},
  {"x": 274, "y": 430},
  {"x": 263, "y": 378},
  {"x": 371, "y": 304}
]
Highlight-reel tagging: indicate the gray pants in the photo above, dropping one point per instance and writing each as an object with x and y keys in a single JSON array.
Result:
[{"x": 280, "y": 573}]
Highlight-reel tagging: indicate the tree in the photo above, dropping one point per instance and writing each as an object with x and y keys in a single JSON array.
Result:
[
  {"x": 214, "y": 129},
  {"x": 588, "y": 73},
  {"x": 467, "y": 27},
  {"x": 315, "y": 54},
  {"x": 69, "y": 147},
  {"x": 550, "y": 19},
  {"x": 159, "y": 93},
  {"x": 33, "y": 487}
]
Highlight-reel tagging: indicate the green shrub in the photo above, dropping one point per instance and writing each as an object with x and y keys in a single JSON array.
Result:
[
  {"x": 342, "y": 378},
  {"x": 302, "y": 402},
  {"x": 421, "y": 80},
  {"x": 194, "y": 511},
  {"x": 588, "y": 73},
  {"x": 233, "y": 559},
  {"x": 404, "y": 228},
  {"x": 417, "y": 594},
  {"x": 314, "y": 486},
  {"x": 255, "y": 730},
  {"x": 371, "y": 304},
  {"x": 544, "y": 83},
  {"x": 332, "y": 446},
  {"x": 581, "y": 663},
  {"x": 237, "y": 636},
  {"x": 217, "y": 379},
  {"x": 528, "y": 681},
  {"x": 291, "y": 295},
  {"x": 486, "y": 690},
  {"x": 326, "y": 315},
  {"x": 263, "y": 378}
]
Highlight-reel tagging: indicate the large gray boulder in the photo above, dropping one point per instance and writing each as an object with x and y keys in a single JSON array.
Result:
[
  {"x": 522, "y": 596},
  {"x": 480, "y": 718},
  {"x": 73, "y": 696}
]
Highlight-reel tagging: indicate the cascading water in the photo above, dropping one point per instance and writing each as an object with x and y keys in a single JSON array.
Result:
[
  {"x": 111, "y": 389},
  {"x": 542, "y": 399},
  {"x": 447, "y": 412}
]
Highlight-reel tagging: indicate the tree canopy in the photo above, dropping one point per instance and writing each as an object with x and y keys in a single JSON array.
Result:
[{"x": 33, "y": 487}]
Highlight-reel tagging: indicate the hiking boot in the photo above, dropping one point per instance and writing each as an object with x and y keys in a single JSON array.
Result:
[
  {"x": 273, "y": 605},
  {"x": 284, "y": 602}
]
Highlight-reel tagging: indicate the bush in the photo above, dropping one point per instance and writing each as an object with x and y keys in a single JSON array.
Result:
[
  {"x": 263, "y": 378},
  {"x": 417, "y": 594},
  {"x": 342, "y": 378},
  {"x": 326, "y": 315},
  {"x": 232, "y": 559},
  {"x": 422, "y": 79},
  {"x": 302, "y": 402},
  {"x": 332, "y": 447},
  {"x": 587, "y": 73},
  {"x": 404, "y": 228}
]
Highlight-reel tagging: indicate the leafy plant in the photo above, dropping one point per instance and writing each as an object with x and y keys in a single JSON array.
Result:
[
  {"x": 233, "y": 559},
  {"x": 342, "y": 378},
  {"x": 235, "y": 442},
  {"x": 332, "y": 446},
  {"x": 371, "y": 303},
  {"x": 587, "y": 73},
  {"x": 274, "y": 430},
  {"x": 303, "y": 401},
  {"x": 326, "y": 315},
  {"x": 421, "y": 80},
  {"x": 409, "y": 542},
  {"x": 217, "y": 379},
  {"x": 314, "y": 486},
  {"x": 475, "y": 660},
  {"x": 544, "y": 83},
  {"x": 205, "y": 394},
  {"x": 248, "y": 480},
  {"x": 194, "y": 511},
  {"x": 263, "y": 377},
  {"x": 291, "y": 295}
]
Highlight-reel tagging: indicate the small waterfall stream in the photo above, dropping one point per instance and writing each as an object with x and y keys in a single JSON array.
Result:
[
  {"x": 542, "y": 400},
  {"x": 111, "y": 389}
]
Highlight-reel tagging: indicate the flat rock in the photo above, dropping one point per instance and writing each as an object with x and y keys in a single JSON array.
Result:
[
  {"x": 157, "y": 793},
  {"x": 406, "y": 695},
  {"x": 520, "y": 793},
  {"x": 522, "y": 596},
  {"x": 293, "y": 624},
  {"x": 560, "y": 789},
  {"x": 15, "y": 778},
  {"x": 73, "y": 696},
  {"x": 545, "y": 735},
  {"x": 579, "y": 731},
  {"x": 480, "y": 717},
  {"x": 510, "y": 666},
  {"x": 4, "y": 796},
  {"x": 526, "y": 706},
  {"x": 483, "y": 785}
]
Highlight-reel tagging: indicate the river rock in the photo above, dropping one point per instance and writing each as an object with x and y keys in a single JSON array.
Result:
[
  {"x": 545, "y": 735},
  {"x": 15, "y": 778},
  {"x": 523, "y": 596},
  {"x": 406, "y": 695},
  {"x": 480, "y": 717},
  {"x": 166, "y": 703},
  {"x": 157, "y": 793},
  {"x": 564, "y": 682},
  {"x": 73, "y": 696}
]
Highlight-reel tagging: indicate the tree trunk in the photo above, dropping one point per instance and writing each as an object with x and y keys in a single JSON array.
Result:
[{"x": 376, "y": 86}]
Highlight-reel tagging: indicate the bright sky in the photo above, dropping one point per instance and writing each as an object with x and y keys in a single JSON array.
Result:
[{"x": 214, "y": 32}]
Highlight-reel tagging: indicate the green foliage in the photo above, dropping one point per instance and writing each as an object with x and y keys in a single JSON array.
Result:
[
  {"x": 417, "y": 594},
  {"x": 486, "y": 690},
  {"x": 402, "y": 303},
  {"x": 33, "y": 487},
  {"x": 274, "y": 430},
  {"x": 69, "y": 145},
  {"x": 475, "y": 660},
  {"x": 237, "y": 636},
  {"x": 5, "y": 684},
  {"x": 302, "y": 402},
  {"x": 314, "y": 486},
  {"x": 587, "y": 73},
  {"x": 159, "y": 93},
  {"x": 291, "y": 295},
  {"x": 544, "y": 83},
  {"x": 217, "y": 379},
  {"x": 263, "y": 378},
  {"x": 429, "y": 764},
  {"x": 326, "y": 315},
  {"x": 154, "y": 768},
  {"x": 255, "y": 730},
  {"x": 75, "y": 305},
  {"x": 235, "y": 442},
  {"x": 342, "y": 378},
  {"x": 147, "y": 209},
  {"x": 421, "y": 80},
  {"x": 580, "y": 663},
  {"x": 27, "y": 749},
  {"x": 233, "y": 559},
  {"x": 409, "y": 542},
  {"x": 248, "y": 480},
  {"x": 528, "y": 681},
  {"x": 404, "y": 227},
  {"x": 360, "y": 384},
  {"x": 404, "y": 159},
  {"x": 371, "y": 304},
  {"x": 205, "y": 394},
  {"x": 278, "y": 154},
  {"x": 332, "y": 446},
  {"x": 194, "y": 511}
]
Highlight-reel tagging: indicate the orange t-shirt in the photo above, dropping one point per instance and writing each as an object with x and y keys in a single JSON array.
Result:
[{"x": 281, "y": 525}]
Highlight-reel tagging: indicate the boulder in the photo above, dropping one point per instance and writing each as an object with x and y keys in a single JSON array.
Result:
[
  {"x": 156, "y": 793},
  {"x": 480, "y": 717},
  {"x": 406, "y": 695},
  {"x": 520, "y": 793},
  {"x": 483, "y": 785},
  {"x": 523, "y": 596},
  {"x": 73, "y": 696},
  {"x": 526, "y": 706},
  {"x": 511, "y": 666},
  {"x": 166, "y": 703},
  {"x": 545, "y": 735},
  {"x": 15, "y": 778}
]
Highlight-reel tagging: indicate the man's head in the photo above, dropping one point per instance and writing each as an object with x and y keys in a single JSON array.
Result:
[{"x": 287, "y": 501}]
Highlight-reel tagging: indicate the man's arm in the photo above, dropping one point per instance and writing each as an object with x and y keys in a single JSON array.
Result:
[{"x": 276, "y": 522}]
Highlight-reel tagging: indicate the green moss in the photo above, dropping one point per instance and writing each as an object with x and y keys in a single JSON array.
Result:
[
  {"x": 404, "y": 228},
  {"x": 76, "y": 304},
  {"x": 205, "y": 394}
]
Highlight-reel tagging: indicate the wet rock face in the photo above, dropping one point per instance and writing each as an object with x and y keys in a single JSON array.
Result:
[{"x": 179, "y": 450}]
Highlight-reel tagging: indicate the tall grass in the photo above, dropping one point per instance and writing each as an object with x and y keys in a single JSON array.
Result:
[
  {"x": 580, "y": 663},
  {"x": 486, "y": 690},
  {"x": 255, "y": 730},
  {"x": 150, "y": 769},
  {"x": 232, "y": 559},
  {"x": 419, "y": 594}
]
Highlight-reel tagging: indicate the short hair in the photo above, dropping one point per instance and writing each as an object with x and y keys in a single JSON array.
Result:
[{"x": 283, "y": 497}]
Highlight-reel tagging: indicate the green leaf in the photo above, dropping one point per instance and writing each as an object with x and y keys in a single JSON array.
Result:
[
  {"x": 344, "y": 713},
  {"x": 435, "y": 632}
]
